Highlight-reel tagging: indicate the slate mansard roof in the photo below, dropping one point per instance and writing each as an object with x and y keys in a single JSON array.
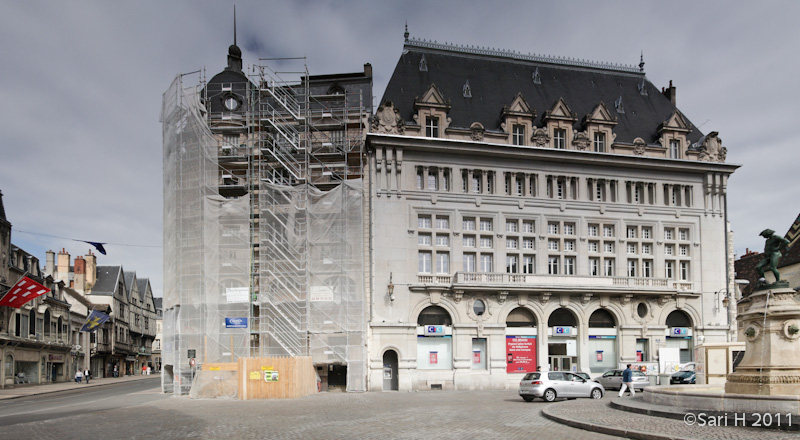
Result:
[
  {"x": 496, "y": 77},
  {"x": 107, "y": 279}
]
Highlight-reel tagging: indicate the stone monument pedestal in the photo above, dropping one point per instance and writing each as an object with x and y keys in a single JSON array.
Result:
[{"x": 770, "y": 317}]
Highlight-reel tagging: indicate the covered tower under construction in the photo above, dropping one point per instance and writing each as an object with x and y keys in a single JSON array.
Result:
[{"x": 264, "y": 238}]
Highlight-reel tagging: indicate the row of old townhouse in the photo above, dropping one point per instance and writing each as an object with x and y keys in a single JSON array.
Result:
[{"x": 41, "y": 342}]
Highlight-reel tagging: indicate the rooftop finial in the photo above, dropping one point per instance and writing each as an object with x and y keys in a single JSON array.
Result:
[
  {"x": 406, "y": 34},
  {"x": 641, "y": 62}
]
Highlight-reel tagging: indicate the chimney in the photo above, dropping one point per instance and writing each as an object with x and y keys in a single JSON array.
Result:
[
  {"x": 669, "y": 93},
  {"x": 367, "y": 69},
  {"x": 80, "y": 274},
  {"x": 50, "y": 265},
  {"x": 90, "y": 269},
  {"x": 63, "y": 267}
]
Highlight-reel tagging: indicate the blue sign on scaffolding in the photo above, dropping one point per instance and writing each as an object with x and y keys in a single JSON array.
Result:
[{"x": 235, "y": 322}]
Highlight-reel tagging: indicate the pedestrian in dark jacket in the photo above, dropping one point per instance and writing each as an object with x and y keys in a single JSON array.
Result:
[{"x": 627, "y": 379}]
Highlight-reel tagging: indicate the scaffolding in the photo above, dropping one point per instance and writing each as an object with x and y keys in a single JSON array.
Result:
[{"x": 263, "y": 220}]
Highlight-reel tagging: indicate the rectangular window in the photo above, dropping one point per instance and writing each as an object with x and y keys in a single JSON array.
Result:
[
  {"x": 683, "y": 250},
  {"x": 520, "y": 184},
  {"x": 424, "y": 239},
  {"x": 486, "y": 263},
  {"x": 669, "y": 269},
  {"x": 560, "y": 189},
  {"x": 647, "y": 249},
  {"x": 486, "y": 224},
  {"x": 593, "y": 246},
  {"x": 684, "y": 275},
  {"x": 490, "y": 183},
  {"x": 594, "y": 267},
  {"x": 632, "y": 268},
  {"x": 608, "y": 267},
  {"x": 419, "y": 177},
  {"x": 442, "y": 240},
  {"x": 442, "y": 222},
  {"x": 431, "y": 126},
  {"x": 486, "y": 242},
  {"x": 684, "y": 234},
  {"x": 592, "y": 230},
  {"x": 511, "y": 264},
  {"x": 608, "y": 231},
  {"x": 424, "y": 221},
  {"x": 511, "y": 226},
  {"x": 552, "y": 265},
  {"x": 424, "y": 262},
  {"x": 600, "y": 142},
  {"x": 528, "y": 243},
  {"x": 560, "y": 138},
  {"x": 631, "y": 232},
  {"x": 512, "y": 243},
  {"x": 668, "y": 234},
  {"x": 647, "y": 268},
  {"x": 608, "y": 247},
  {"x": 433, "y": 180},
  {"x": 476, "y": 183},
  {"x": 631, "y": 248},
  {"x": 464, "y": 180},
  {"x": 518, "y": 135},
  {"x": 569, "y": 229},
  {"x": 442, "y": 262},
  {"x": 469, "y": 262},
  {"x": 552, "y": 228},
  {"x": 552, "y": 245},
  {"x": 528, "y": 264},
  {"x": 569, "y": 245},
  {"x": 647, "y": 233},
  {"x": 674, "y": 149},
  {"x": 469, "y": 224},
  {"x": 569, "y": 266},
  {"x": 669, "y": 249},
  {"x": 527, "y": 227},
  {"x": 469, "y": 241},
  {"x": 446, "y": 180}
]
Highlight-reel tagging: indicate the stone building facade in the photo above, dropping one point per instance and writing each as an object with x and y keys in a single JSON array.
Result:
[{"x": 537, "y": 212}]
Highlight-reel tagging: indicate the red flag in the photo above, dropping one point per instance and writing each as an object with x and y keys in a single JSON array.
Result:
[{"x": 25, "y": 290}]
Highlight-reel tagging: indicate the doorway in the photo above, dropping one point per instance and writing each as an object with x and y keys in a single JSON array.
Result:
[
  {"x": 390, "y": 379},
  {"x": 558, "y": 358},
  {"x": 337, "y": 377}
]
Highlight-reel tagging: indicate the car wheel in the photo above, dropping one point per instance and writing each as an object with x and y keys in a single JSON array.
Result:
[
  {"x": 527, "y": 398},
  {"x": 549, "y": 395},
  {"x": 596, "y": 394}
]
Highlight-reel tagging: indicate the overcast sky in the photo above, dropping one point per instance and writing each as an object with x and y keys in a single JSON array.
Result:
[{"x": 81, "y": 85}]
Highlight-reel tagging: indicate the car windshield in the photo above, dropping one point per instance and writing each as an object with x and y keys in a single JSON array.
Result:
[
  {"x": 684, "y": 374},
  {"x": 638, "y": 373},
  {"x": 531, "y": 376}
]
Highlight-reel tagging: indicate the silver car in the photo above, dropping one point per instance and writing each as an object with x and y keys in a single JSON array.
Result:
[
  {"x": 612, "y": 379},
  {"x": 554, "y": 384}
]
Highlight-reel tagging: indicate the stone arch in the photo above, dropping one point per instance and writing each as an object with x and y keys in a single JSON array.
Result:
[
  {"x": 505, "y": 309},
  {"x": 602, "y": 313},
  {"x": 580, "y": 316},
  {"x": 420, "y": 306},
  {"x": 537, "y": 320},
  {"x": 393, "y": 347},
  {"x": 692, "y": 314}
]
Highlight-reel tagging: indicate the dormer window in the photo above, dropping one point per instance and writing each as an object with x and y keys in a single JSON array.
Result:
[
  {"x": 518, "y": 134},
  {"x": 560, "y": 139},
  {"x": 431, "y": 126},
  {"x": 600, "y": 142},
  {"x": 674, "y": 149}
]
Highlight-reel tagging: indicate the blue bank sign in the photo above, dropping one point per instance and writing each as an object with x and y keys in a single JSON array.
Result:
[
  {"x": 235, "y": 322},
  {"x": 434, "y": 330}
]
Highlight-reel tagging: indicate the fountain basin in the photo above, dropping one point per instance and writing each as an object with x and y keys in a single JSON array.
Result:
[{"x": 714, "y": 398}]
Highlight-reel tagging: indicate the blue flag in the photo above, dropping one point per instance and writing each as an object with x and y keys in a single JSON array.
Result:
[
  {"x": 98, "y": 246},
  {"x": 94, "y": 320}
]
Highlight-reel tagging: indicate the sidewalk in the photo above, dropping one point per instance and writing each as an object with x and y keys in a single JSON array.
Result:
[{"x": 35, "y": 389}]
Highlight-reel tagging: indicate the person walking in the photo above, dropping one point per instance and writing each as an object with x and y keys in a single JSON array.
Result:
[
  {"x": 78, "y": 376},
  {"x": 627, "y": 379},
  {"x": 116, "y": 371},
  {"x": 88, "y": 375}
]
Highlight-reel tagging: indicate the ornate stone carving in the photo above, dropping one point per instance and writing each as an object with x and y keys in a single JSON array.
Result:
[
  {"x": 711, "y": 149},
  {"x": 477, "y": 132},
  {"x": 586, "y": 298},
  {"x": 388, "y": 120},
  {"x": 540, "y": 138},
  {"x": 501, "y": 296},
  {"x": 581, "y": 140},
  {"x": 457, "y": 295},
  {"x": 639, "y": 146},
  {"x": 544, "y": 297}
]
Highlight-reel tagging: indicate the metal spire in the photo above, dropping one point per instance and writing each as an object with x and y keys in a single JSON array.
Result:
[
  {"x": 406, "y": 34},
  {"x": 641, "y": 62}
]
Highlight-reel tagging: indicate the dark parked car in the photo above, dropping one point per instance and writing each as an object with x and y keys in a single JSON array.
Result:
[
  {"x": 682, "y": 377},
  {"x": 553, "y": 384}
]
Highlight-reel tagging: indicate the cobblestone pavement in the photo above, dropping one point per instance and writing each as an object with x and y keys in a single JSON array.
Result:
[
  {"x": 422, "y": 415},
  {"x": 601, "y": 416}
]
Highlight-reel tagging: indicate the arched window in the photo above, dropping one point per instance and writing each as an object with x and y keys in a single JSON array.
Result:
[
  {"x": 47, "y": 322},
  {"x": 434, "y": 315},
  {"x": 336, "y": 89},
  {"x": 602, "y": 319},
  {"x": 521, "y": 317},
  {"x": 562, "y": 318},
  {"x": 678, "y": 318}
]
